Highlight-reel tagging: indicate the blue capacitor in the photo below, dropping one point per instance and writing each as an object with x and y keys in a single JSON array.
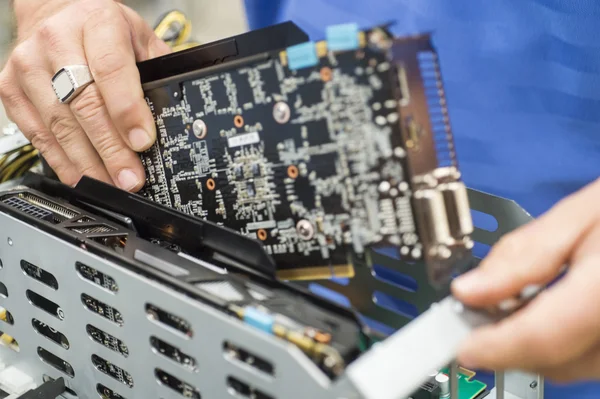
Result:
[
  {"x": 302, "y": 55},
  {"x": 342, "y": 37},
  {"x": 258, "y": 319}
]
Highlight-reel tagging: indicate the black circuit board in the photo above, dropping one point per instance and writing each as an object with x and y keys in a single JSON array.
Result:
[
  {"x": 107, "y": 340},
  {"x": 183, "y": 388},
  {"x": 112, "y": 370},
  {"x": 309, "y": 161},
  {"x": 102, "y": 309},
  {"x": 173, "y": 353},
  {"x": 170, "y": 320},
  {"x": 97, "y": 277}
]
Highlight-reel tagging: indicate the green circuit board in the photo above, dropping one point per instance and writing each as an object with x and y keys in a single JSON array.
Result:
[{"x": 468, "y": 386}]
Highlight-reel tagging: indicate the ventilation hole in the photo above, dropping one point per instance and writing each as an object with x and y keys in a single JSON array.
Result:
[
  {"x": 45, "y": 304},
  {"x": 171, "y": 352},
  {"x": 84, "y": 219},
  {"x": 107, "y": 393},
  {"x": 395, "y": 278},
  {"x": 241, "y": 389},
  {"x": 94, "y": 229},
  {"x": 39, "y": 274},
  {"x": 241, "y": 355},
  {"x": 50, "y": 205},
  {"x": 107, "y": 340},
  {"x": 6, "y": 316},
  {"x": 377, "y": 326},
  {"x": 169, "y": 320},
  {"x": 484, "y": 221},
  {"x": 28, "y": 209},
  {"x": 97, "y": 277},
  {"x": 3, "y": 291},
  {"x": 55, "y": 361},
  {"x": 480, "y": 250},
  {"x": 111, "y": 370},
  {"x": 8, "y": 341},
  {"x": 329, "y": 294},
  {"x": 184, "y": 389},
  {"x": 395, "y": 305},
  {"x": 70, "y": 393},
  {"x": 102, "y": 309},
  {"x": 53, "y": 335},
  {"x": 340, "y": 280}
]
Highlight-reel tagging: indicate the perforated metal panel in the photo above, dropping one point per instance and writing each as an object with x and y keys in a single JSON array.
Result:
[
  {"x": 294, "y": 375},
  {"x": 128, "y": 337}
]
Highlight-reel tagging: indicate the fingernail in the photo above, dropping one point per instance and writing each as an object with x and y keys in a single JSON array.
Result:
[
  {"x": 139, "y": 139},
  {"x": 128, "y": 180},
  {"x": 467, "y": 283}
]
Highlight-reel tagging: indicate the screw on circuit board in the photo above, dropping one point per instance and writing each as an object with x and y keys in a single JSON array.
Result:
[
  {"x": 199, "y": 128},
  {"x": 305, "y": 229},
  {"x": 281, "y": 112}
]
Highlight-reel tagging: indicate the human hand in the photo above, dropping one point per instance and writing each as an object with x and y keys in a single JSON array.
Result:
[
  {"x": 558, "y": 333},
  {"x": 98, "y": 133}
]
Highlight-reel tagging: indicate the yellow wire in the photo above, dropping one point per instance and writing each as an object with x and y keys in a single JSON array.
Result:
[
  {"x": 167, "y": 22},
  {"x": 15, "y": 165}
]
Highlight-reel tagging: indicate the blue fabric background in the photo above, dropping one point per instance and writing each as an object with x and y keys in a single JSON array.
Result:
[{"x": 523, "y": 87}]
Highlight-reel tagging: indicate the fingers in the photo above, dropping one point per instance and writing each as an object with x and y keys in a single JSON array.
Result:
[
  {"x": 97, "y": 133},
  {"x": 558, "y": 326},
  {"x": 122, "y": 164},
  {"x": 57, "y": 117},
  {"x": 89, "y": 111},
  {"x": 533, "y": 254},
  {"x": 22, "y": 112},
  {"x": 109, "y": 51},
  {"x": 585, "y": 368},
  {"x": 146, "y": 44}
]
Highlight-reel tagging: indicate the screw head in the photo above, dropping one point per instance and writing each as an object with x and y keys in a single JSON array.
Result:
[
  {"x": 9, "y": 241},
  {"x": 199, "y": 128},
  {"x": 281, "y": 112},
  {"x": 533, "y": 385},
  {"x": 305, "y": 229}
]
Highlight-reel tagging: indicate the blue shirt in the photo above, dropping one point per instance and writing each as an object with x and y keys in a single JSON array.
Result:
[{"x": 522, "y": 80}]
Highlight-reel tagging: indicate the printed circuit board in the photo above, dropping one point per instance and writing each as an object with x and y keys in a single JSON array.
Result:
[{"x": 319, "y": 151}]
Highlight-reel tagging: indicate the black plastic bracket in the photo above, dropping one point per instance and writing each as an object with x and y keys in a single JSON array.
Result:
[{"x": 247, "y": 44}]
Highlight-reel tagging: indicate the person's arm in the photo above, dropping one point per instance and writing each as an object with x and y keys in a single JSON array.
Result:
[
  {"x": 98, "y": 133},
  {"x": 558, "y": 334}
]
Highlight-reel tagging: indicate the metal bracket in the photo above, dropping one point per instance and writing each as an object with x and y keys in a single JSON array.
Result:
[{"x": 394, "y": 280}]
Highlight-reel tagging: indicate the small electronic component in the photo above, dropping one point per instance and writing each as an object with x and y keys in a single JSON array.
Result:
[
  {"x": 112, "y": 370},
  {"x": 102, "y": 309},
  {"x": 350, "y": 134},
  {"x": 107, "y": 340}
]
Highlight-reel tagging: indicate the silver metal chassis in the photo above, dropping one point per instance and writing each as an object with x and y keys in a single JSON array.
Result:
[{"x": 295, "y": 375}]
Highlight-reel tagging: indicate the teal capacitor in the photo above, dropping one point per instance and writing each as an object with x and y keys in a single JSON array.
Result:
[
  {"x": 342, "y": 37},
  {"x": 302, "y": 55},
  {"x": 258, "y": 319}
]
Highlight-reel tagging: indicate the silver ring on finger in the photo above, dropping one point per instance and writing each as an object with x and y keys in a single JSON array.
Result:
[{"x": 70, "y": 81}]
